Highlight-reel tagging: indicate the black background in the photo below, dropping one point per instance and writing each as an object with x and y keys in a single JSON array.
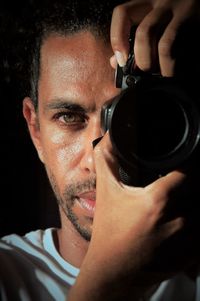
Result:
[{"x": 26, "y": 199}]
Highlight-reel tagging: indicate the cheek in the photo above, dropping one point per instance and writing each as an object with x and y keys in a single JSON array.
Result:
[
  {"x": 62, "y": 151},
  {"x": 69, "y": 154}
]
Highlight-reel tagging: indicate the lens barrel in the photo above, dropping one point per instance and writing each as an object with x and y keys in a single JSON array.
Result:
[{"x": 154, "y": 127}]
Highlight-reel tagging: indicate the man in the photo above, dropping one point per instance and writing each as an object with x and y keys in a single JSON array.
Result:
[{"x": 124, "y": 240}]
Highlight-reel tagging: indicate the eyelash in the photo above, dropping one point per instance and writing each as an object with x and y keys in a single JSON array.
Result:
[{"x": 75, "y": 115}]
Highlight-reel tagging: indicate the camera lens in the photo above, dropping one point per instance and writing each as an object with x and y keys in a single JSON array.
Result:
[
  {"x": 154, "y": 126},
  {"x": 151, "y": 127}
]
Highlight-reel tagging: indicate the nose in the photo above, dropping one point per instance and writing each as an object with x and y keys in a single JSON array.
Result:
[{"x": 92, "y": 132}]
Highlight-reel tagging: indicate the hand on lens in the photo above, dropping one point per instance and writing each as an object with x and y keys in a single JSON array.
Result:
[
  {"x": 138, "y": 234},
  {"x": 131, "y": 225}
]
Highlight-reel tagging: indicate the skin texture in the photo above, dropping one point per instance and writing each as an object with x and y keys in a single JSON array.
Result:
[
  {"x": 138, "y": 219},
  {"x": 64, "y": 142},
  {"x": 158, "y": 22},
  {"x": 130, "y": 224}
]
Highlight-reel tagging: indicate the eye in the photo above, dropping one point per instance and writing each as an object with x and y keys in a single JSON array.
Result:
[{"x": 71, "y": 118}]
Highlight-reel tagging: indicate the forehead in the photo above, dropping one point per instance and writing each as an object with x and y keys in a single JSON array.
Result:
[{"x": 76, "y": 64}]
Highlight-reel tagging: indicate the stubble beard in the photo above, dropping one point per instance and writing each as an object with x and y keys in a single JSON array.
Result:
[{"x": 67, "y": 199}]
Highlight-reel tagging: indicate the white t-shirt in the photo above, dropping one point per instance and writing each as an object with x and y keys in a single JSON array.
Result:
[{"x": 31, "y": 269}]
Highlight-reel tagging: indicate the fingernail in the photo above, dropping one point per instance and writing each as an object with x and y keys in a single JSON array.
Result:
[{"x": 120, "y": 58}]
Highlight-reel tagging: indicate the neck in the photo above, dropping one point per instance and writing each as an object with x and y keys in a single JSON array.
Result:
[{"x": 71, "y": 246}]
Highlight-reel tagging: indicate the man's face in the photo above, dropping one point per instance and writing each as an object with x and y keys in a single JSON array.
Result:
[{"x": 76, "y": 80}]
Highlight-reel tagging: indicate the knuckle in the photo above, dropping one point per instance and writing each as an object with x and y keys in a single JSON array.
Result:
[
  {"x": 166, "y": 42},
  {"x": 154, "y": 207},
  {"x": 157, "y": 201},
  {"x": 164, "y": 47},
  {"x": 180, "y": 223},
  {"x": 142, "y": 47},
  {"x": 143, "y": 32},
  {"x": 144, "y": 64},
  {"x": 117, "y": 9}
]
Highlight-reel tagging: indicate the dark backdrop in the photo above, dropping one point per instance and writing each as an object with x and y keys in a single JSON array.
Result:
[{"x": 26, "y": 199}]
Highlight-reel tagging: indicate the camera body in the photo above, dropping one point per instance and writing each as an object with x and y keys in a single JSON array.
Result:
[{"x": 154, "y": 125}]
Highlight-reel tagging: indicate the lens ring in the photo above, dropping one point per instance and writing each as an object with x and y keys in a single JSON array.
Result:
[{"x": 124, "y": 104}]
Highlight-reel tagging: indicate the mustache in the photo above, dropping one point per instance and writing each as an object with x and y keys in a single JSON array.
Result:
[{"x": 74, "y": 189}]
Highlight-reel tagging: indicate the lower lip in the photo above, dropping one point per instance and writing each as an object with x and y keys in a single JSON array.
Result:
[{"x": 88, "y": 205}]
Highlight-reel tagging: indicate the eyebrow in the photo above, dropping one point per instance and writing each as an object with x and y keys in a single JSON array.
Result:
[{"x": 61, "y": 103}]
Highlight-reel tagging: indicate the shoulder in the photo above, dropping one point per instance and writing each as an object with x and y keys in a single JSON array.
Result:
[
  {"x": 37, "y": 249},
  {"x": 25, "y": 252},
  {"x": 28, "y": 251},
  {"x": 27, "y": 268},
  {"x": 34, "y": 237}
]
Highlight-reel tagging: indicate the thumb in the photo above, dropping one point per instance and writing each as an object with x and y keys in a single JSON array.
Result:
[{"x": 105, "y": 161}]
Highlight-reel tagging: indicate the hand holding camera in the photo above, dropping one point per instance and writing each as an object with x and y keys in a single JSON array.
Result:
[
  {"x": 154, "y": 124},
  {"x": 148, "y": 227}
]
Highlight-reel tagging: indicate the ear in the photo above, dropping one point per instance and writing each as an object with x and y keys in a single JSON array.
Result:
[{"x": 31, "y": 117}]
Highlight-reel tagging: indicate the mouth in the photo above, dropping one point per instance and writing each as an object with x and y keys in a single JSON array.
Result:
[{"x": 87, "y": 201}]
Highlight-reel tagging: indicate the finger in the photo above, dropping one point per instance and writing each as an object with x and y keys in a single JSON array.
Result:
[
  {"x": 113, "y": 62},
  {"x": 119, "y": 34},
  {"x": 164, "y": 186},
  {"x": 147, "y": 35},
  {"x": 105, "y": 161},
  {"x": 165, "y": 48},
  {"x": 166, "y": 61},
  {"x": 171, "y": 227},
  {"x": 182, "y": 12},
  {"x": 124, "y": 16},
  {"x": 173, "y": 179}
]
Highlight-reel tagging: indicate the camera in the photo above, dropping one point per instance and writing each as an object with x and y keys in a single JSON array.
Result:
[{"x": 154, "y": 124}]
